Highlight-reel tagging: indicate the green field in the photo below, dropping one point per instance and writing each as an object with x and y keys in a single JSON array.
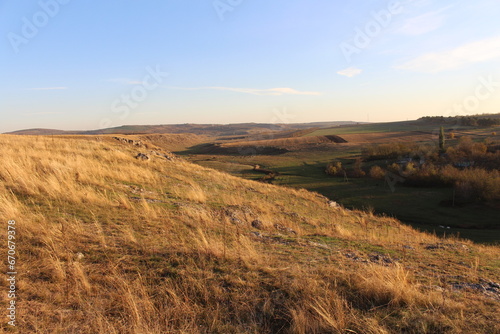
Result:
[{"x": 419, "y": 207}]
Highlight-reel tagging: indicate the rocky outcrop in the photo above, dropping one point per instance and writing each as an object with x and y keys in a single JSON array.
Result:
[{"x": 129, "y": 141}]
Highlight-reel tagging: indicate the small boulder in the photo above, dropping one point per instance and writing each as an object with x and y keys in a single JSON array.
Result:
[
  {"x": 256, "y": 234},
  {"x": 333, "y": 204},
  {"x": 283, "y": 228},
  {"x": 257, "y": 224},
  {"x": 142, "y": 156}
]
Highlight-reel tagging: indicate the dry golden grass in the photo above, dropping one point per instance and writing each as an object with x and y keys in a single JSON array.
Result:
[{"x": 111, "y": 244}]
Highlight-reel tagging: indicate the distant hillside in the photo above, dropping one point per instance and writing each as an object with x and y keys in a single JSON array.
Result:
[
  {"x": 200, "y": 129},
  {"x": 42, "y": 132},
  {"x": 117, "y": 236}
]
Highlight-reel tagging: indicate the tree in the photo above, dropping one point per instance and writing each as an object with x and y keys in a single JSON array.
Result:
[{"x": 442, "y": 140}]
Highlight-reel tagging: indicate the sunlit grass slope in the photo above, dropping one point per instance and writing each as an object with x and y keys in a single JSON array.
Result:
[{"x": 111, "y": 244}]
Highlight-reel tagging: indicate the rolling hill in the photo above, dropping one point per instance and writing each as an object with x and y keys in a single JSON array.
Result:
[{"x": 199, "y": 129}]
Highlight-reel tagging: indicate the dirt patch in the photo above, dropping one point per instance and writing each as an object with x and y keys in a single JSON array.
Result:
[{"x": 336, "y": 139}]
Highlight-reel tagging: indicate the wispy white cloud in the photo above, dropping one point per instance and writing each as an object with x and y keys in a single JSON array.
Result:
[
  {"x": 48, "y": 88},
  {"x": 350, "y": 72},
  {"x": 254, "y": 91},
  {"x": 43, "y": 113},
  {"x": 424, "y": 23},
  {"x": 475, "y": 52}
]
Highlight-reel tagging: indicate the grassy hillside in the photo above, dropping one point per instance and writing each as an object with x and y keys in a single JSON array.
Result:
[{"x": 112, "y": 244}]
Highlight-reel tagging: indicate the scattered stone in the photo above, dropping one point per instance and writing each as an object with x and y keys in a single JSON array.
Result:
[
  {"x": 352, "y": 256},
  {"x": 433, "y": 287},
  {"x": 142, "y": 156},
  {"x": 488, "y": 288},
  {"x": 257, "y": 224},
  {"x": 280, "y": 240},
  {"x": 148, "y": 200},
  {"x": 319, "y": 245},
  {"x": 168, "y": 156},
  {"x": 333, "y": 204},
  {"x": 285, "y": 229},
  {"x": 235, "y": 215},
  {"x": 381, "y": 259},
  {"x": 236, "y": 220},
  {"x": 256, "y": 234},
  {"x": 239, "y": 214},
  {"x": 464, "y": 247},
  {"x": 294, "y": 215},
  {"x": 441, "y": 245},
  {"x": 436, "y": 246},
  {"x": 129, "y": 141}
]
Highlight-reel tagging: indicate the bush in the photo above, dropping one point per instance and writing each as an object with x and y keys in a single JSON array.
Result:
[
  {"x": 471, "y": 184},
  {"x": 388, "y": 151},
  {"x": 357, "y": 170},
  {"x": 478, "y": 184},
  {"x": 410, "y": 168},
  {"x": 334, "y": 168},
  {"x": 376, "y": 172},
  {"x": 394, "y": 168}
]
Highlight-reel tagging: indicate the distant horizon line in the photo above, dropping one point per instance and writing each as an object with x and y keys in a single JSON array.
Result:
[
  {"x": 206, "y": 124},
  {"x": 227, "y": 124}
]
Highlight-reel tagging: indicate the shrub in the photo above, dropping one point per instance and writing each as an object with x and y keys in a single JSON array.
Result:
[
  {"x": 376, "y": 172},
  {"x": 477, "y": 184},
  {"x": 395, "y": 168},
  {"x": 334, "y": 168},
  {"x": 357, "y": 170},
  {"x": 410, "y": 168},
  {"x": 388, "y": 151}
]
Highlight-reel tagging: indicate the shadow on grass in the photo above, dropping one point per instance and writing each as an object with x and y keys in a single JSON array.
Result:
[{"x": 217, "y": 149}]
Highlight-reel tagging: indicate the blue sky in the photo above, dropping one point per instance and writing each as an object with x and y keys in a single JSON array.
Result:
[{"x": 70, "y": 64}]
